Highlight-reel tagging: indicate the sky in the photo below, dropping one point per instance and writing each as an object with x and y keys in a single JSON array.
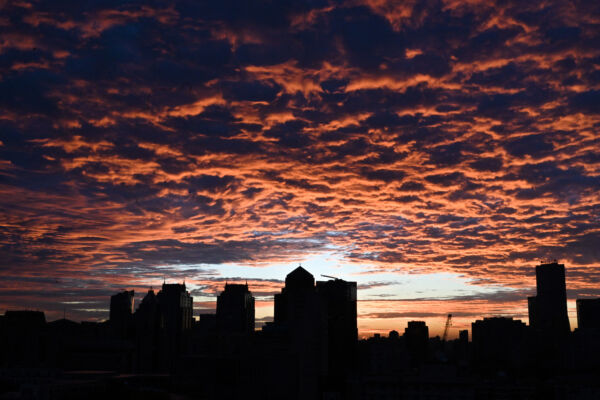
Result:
[{"x": 432, "y": 151}]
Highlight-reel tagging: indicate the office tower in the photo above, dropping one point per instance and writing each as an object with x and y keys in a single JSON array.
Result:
[
  {"x": 499, "y": 342},
  {"x": 176, "y": 309},
  {"x": 548, "y": 309},
  {"x": 298, "y": 316},
  {"x": 416, "y": 336},
  {"x": 588, "y": 314},
  {"x": 121, "y": 310},
  {"x": 338, "y": 302},
  {"x": 235, "y": 310},
  {"x": 147, "y": 327},
  {"x": 297, "y": 300}
]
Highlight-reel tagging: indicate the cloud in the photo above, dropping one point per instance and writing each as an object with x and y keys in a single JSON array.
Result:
[{"x": 142, "y": 140}]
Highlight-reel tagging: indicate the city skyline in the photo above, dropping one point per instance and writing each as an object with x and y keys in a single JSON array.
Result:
[
  {"x": 431, "y": 151},
  {"x": 310, "y": 350},
  {"x": 125, "y": 302}
]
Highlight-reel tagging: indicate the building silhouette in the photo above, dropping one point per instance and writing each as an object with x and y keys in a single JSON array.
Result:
[
  {"x": 171, "y": 313},
  {"x": 148, "y": 333},
  {"x": 235, "y": 310},
  {"x": 548, "y": 309},
  {"x": 588, "y": 314},
  {"x": 416, "y": 336},
  {"x": 500, "y": 343},
  {"x": 176, "y": 306},
  {"x": 338, "y": 302},
  {"x": 121, "y": 310},
  {"x": 299, "y": 319},
  {"x": 310, "y": 350}
]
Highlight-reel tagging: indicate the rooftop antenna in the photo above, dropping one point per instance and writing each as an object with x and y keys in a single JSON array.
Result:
[{"x": 330, "y": 277}]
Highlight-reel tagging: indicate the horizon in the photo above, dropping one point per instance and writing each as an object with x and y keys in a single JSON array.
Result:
[{"x": 435, "y": 329}]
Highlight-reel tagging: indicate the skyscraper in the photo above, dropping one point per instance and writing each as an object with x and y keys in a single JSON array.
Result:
[
  {"x": 338, "y": 301},
  {"x": 176, "y": 309},
  {"x": 147, "y": 325},
  {"x": 235, "y": 309},
  {"x": 416, "y": 335},
  {"x": 548, "y": 309},
  {"x": 297, "y": 300},
  {"x": 499, "y": 342},
  {"x": 298, "y": 315},
  {"x": 121, "y": 310}
]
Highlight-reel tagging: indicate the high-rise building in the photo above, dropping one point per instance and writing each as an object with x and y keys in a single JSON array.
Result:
[
  {"x": 548, "y": 309},
  {"x": 499, "y": 342},
  {"x": 297, "y": 300},
  {"x": 416, "y": 336},
  {"x": 338, "y": 301},
  {"x": 176, "y": 307},
  {"x": 121, "y": 310},
  {"x": 320, "y": 322},
  {"x": 147, "y": 325},
  {"x": 235, "y": 309},
  {"x": 176, "y": 316},
  {"x": 298, "y": 316},
  {"x": 588, "y": 314}
]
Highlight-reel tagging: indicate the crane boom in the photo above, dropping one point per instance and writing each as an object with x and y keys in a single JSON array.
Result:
[{"x": 447, "y": 327}]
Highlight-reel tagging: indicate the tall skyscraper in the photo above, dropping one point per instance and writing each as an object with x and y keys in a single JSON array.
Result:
[
  {"x": 235, "y": 309},
  {"x": 320, "y": 321},
  {"x": 176, "y": 310},
  {"x": 548, "y": 309},
  {"x": 338, "y": 301},
  {"x": 147, "y": 325},
  {"x": 121, "y": 310},
  {"x": 176, "y": 307},
  {"x": 298, "y": 315},
  {"x": 297, "y": 300}
]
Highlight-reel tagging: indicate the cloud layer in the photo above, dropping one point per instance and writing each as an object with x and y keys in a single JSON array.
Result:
[{"x": 414, "y": 138}]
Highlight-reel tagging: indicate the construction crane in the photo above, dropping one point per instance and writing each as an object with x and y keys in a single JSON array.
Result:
[{"x": 447, "y": 327}]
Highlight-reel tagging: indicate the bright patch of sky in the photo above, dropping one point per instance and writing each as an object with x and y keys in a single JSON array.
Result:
[{"x": 377, "y": 286}]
